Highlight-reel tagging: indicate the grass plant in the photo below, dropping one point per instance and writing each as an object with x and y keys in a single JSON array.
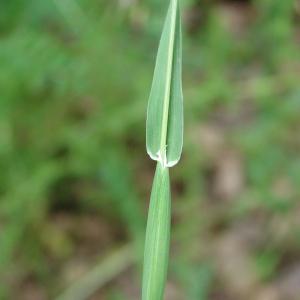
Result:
[{"x": 164, "y": 133}]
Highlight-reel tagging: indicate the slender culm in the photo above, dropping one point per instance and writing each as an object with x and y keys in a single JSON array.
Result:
[{"x": 164, "y": 134}]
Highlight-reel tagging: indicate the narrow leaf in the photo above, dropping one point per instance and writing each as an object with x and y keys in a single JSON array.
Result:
[
  {"x": 165, "y": 107},
  {"x": 157, "y": 237}
]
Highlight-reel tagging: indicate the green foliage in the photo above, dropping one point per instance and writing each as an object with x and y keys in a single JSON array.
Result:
[
  {"x": 164, "y": 131},
  {"x": 266, "y": 263},
  {"x": 73, "y": 82},
  {"x": 165, "y": 107}
]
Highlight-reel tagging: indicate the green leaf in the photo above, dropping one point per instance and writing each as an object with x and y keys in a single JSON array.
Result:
[
  {"x": 165, "y": 107},
  {"x": 157, "y": 237}
]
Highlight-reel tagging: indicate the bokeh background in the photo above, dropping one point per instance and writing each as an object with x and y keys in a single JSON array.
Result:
[{"x": 75, "y": 178}]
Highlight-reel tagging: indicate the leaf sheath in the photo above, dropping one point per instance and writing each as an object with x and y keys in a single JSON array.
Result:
[{"x": 157, "y": 237}]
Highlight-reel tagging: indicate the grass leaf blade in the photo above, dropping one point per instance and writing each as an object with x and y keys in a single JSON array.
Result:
[
  {"x": 165, "y": 108},
  {"x": 175, "y": 122}
]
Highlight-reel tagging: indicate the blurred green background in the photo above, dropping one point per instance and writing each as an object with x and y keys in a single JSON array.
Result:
[{"x": 75, "y": 178}]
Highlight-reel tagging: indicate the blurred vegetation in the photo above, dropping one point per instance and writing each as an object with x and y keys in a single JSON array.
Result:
[{"x": 75, "y": 180}]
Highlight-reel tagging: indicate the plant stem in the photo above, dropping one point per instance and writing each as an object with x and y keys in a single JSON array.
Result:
[{"x": 157, "y": 237}]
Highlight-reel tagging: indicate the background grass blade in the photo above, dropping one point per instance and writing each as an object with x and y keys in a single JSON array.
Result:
[
  {"x": 157, "y": 237},
  {"x": 165, "y": 107}
]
